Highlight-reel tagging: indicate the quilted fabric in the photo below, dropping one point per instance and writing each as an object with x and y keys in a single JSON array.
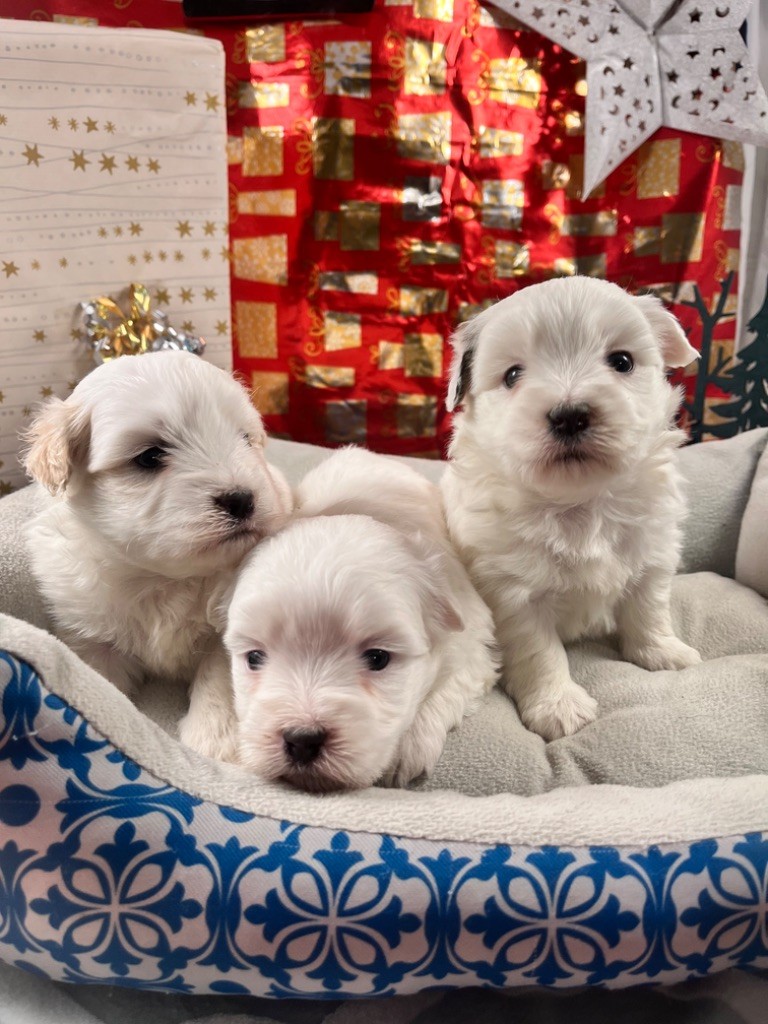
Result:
[{"x": 108, "y": 874}]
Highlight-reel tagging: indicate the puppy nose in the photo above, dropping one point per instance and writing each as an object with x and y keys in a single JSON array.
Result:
[
  {"x": 566, "y": 421},
  {"x": 303, "y": 745},
  {"x": 238, "y": 504}
]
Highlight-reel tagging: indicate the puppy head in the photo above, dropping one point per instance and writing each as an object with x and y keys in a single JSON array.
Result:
[
  {"x": 162, "y": 456},
  {"x": 564, "y": 382},
  {"x": 334, "y": 631}
]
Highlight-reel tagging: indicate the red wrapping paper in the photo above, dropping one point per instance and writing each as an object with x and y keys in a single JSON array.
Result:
[{"x": 392, "y": 172}]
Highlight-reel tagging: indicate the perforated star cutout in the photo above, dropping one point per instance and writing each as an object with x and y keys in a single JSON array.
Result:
[{"x": 680, "y": 63}]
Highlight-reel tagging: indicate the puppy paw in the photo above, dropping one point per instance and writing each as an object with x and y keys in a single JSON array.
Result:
[
  {"x": 561, "y": 713},
  {"x": 666, "y": 653},
  {"x": 220, "y": 744}
]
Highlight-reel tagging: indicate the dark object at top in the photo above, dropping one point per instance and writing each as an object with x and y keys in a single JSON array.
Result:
[{"x": 214, "y": 10}]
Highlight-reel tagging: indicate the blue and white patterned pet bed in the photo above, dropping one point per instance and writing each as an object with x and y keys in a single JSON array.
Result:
[{"x": 125, "y": 858}]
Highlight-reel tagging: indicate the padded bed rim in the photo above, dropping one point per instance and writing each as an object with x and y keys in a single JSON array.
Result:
[{"x": 574, "y": 816}]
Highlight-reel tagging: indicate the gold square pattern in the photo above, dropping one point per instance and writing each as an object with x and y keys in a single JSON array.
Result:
[
  {"x": 733, "y": 154},
  {"x": 256, "y": 329},
  {"x": 602, "y": 224},
  {"x": 262, "y": 95},
  {"x": 658, "y": 169},
  {"x": 356, "y": 282},
  {"x": 502, "y": 203},
  {"x": 437, "y": 10},
  {"x": 416, "y": 415},
  {"x": 345, "y": 422},
  {"x": 391, "y": 355},
  {"x": 342, "y": 330},
  {"x": 493, "y": 143},
  {"x": 423, "y": 355},
  {"x": 585, "y": 266},
  {"x": 425, "y": 137},
  {"x": 359, "y": 225},
  {"x": 469, "y": 309},
  {"x": 275, "y": 203},
  {"x": 426, "y": 68},
  {"x": 512, "y": 259},
  {"x": 348, "y": 69},
  {"x": 732, "y": 211},
  {"x": 416, "y": 301},
  {"x": 234, "y": 149},
  {"x": 646, "y": 241},
  {"x": 513, "y": 81},
  {"x": 576, "y": 179},
  {"x": 265, "y": 43},
  {"x": 263, "y": 259},
  {"x": 333, "y": 148},
  {"x": 427, "y": 254},
  {"x": 316, "y": 376},
  {"x": 75, "y": 19},
  {"x": 554, "y": 175},
  {"x": 263, "y": 150},
  {"x": 682, "y": 236},
  {"x": 270, "y": 392}
]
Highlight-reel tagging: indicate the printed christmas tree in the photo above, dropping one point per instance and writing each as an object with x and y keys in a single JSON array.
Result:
[{"x": 748, "y": 382}]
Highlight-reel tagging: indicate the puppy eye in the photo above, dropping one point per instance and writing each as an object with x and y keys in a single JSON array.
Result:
[
  {"x": 376, "y": 659},
  {"x": 512, "y": 376},
  {"x": 621, "y": 362},
  {"x": 152, "y": 458},
  {"x": 248, "y": 439},
  {"x": 255, "y": 659}
]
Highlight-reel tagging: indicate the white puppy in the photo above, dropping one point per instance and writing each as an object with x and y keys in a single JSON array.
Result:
[
  {"x": 356, "y": 637},
  {"x": 562, "y": 495},
  {"x": 157, "y": 466}
]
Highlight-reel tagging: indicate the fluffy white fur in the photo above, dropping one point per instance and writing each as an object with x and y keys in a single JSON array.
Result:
[
  {"x": 568, "y": 538},
  {"x": 366, "y": 565},
  {"x": 128, "y": 557}
]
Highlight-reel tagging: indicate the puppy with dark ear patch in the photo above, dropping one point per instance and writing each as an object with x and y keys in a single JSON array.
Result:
[
  {"x": 561, "y": 493},
  {"x": 158, "y": 488}
]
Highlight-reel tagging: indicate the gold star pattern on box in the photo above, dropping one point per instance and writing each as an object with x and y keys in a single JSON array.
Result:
[
  {"x": 32, "y": 155},
  {"x": 88, "y": 187}
]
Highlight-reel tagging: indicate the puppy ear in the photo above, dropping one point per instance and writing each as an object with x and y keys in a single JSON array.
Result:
[
  {"x": 219, "y": 600},
  {"x": 57, "y": 440},
  {"x": 445, "y": 613},
  {"x": 676, "y": 350},
  {"x": 464, "y": 341},
  {"x": 256, "y": 431},
  {"x": 441, "y": 614}
]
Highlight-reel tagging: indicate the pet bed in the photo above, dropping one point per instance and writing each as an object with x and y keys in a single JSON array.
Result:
[{"x": 634, "y": 852}]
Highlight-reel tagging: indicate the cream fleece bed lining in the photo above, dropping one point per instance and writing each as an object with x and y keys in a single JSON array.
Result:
[
  {"x": 572, "y": 816},
  {"x": 720, "y": 477}
]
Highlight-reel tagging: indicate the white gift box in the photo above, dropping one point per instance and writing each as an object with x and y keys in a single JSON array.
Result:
[{"x": 112, "y": 171}]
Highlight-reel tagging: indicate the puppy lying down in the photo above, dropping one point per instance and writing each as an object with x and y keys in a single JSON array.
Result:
[{"x": 356, "y": 638}]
